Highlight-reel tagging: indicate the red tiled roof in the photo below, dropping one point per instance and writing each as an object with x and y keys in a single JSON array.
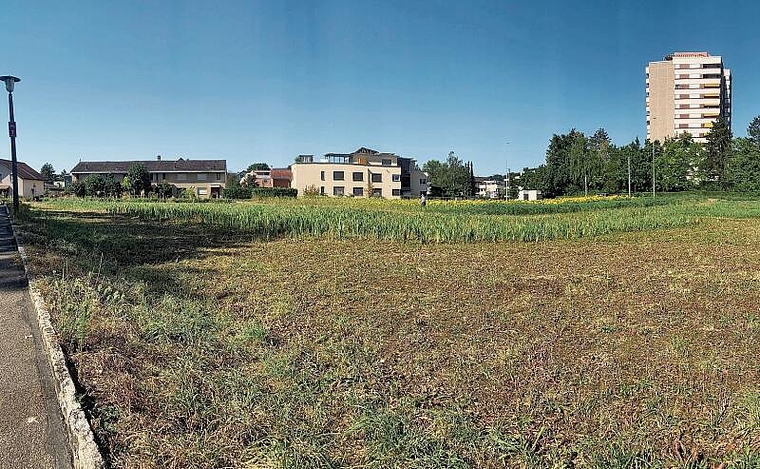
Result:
[{"x": 281, "y": 174}]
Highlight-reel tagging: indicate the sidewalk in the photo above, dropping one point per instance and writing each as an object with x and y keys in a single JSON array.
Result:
[{"x": 32, "y": 433}]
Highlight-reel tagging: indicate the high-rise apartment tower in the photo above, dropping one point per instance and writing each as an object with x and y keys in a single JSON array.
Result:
[{"x": 687, "y": 92}]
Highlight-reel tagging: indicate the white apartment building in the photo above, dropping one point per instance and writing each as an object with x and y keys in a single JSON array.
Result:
[
  {"x": 489, "y": 188},
  {"x": 686, "y": 92},
  {"x": 363, "y": 173}
]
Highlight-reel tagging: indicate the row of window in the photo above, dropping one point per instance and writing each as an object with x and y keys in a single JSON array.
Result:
[
  {"x": 358, "y": 176},
  {"x": 183, "y": 176},
  {"x": 358, "y": 191}
]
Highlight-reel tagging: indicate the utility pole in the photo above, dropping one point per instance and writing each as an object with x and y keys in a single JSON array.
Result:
[
  {"x": 653, "y": 179},
  {"x": 629, "y": 174},
  {"x": 508, "y": 179}
]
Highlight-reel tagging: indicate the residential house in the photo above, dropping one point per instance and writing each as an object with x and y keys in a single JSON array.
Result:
[
  {"x": 206, "y": 178},
  {"x": 363, "y": 173},
  {"x": 30, "y": 182},
  {"x": 276, "y": 177}
]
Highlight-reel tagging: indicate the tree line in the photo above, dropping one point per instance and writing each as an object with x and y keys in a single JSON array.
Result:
[
  {"x": 591, "y": 164},
  {"x": 580, "y": 164}
]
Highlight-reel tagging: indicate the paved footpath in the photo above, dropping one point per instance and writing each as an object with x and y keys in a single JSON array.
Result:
[{"x": 32, "y": 432}]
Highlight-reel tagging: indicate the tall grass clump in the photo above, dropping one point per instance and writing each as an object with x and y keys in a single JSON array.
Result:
[{"x": 272, "y": 221}]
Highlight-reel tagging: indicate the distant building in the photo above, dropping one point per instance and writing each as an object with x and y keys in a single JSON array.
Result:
[
  {"x": 363, "y": 173},
  {"x": 489, "y": 188},
  {"x": 686, "y": 92},
  {"x": 529, "y": 194},
  {"x": 275, "y": 177},
  {"x": 30, "y": 183},
  {"x": 205, "y": 177}
]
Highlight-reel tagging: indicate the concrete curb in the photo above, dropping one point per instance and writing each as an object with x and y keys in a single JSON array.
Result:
[{"x": 84, "y": 450}]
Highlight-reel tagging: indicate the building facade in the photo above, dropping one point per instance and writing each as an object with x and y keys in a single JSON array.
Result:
[
  {"x": 363, "y": 173},
  {"x": 489, "y": 188},
  {"x": 30, "y": 183},
  {"x": 685, "y": 93},
  {"x": 205, "y": 178}
]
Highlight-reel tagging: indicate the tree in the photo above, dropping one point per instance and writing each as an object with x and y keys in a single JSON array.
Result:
[
  {"x": 126, "y": 185},
  {"x": 579, "y": 157},
  {"x": 78, "y": 188},
  {"x": 718, "y": 149},
  {"x": 753, "y": 131},
  {"x": 164, "y": 190},
  {"x": 674, "y": 166},
  {"x": 48, "y": 173},
  {"x": 139, "y": 179},
  {"x": 94, "y": 185},
  {"x": 232, "y": 182},
  {"x": 600, "y": 151},
  {"x": 453, "y": 176},
  {"x": 112, "y": 187},
  {"x": 744, "y": 168},
  {"x": 258, "y": 167}
]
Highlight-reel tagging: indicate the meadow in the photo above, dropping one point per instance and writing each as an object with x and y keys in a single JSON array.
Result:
[{"x": 364, "y": 333}]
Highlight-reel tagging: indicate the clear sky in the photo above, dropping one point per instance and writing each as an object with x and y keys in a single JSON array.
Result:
[{"x": 256, "y": 81}]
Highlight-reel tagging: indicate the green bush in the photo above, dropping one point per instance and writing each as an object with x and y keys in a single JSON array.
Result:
[
  {"x": 236, "y": 192},
  {"x": 261, "y": 192}
]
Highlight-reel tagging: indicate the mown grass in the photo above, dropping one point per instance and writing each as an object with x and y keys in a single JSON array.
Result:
[{"x": 204, "y": 348}]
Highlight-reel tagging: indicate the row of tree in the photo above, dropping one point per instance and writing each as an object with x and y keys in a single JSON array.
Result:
[
  {"x": 136, "y": 182},
  {"x": 578, "y": 164}
]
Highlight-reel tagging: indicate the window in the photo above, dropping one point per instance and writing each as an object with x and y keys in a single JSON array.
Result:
[
  {"x": 358, "y": 191},
  {"x": 321, "y": 175},
  {"x": 358, "y": 177},
  {"x": 163, "y": 176},
  {"x": 202, "y": 192},
  {"x": 181, "y": 176},
  {"x": 339, "y": 190},
  {"x": 202, "y": 176},
  {"x": 337, "y": 175},
  {"x": 218, "y": 176},
  {"x": 387, "y": 162},
  {"x": 377, "y": 177},
  {"x": 377, "y": 192},
  {"x": 396, "y": 192},
  {"x": 396, "y": 177},
  {"x": 322, "y": 190},
  {"x": 423, "y": 181}
]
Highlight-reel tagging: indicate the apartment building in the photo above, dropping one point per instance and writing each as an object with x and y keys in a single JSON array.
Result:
[
  {"x": 206, "y": 178},
  {"x": 489, "y": 188},
  {"x": 363, "y": 173},
  {"x": 686, "y": 92}
]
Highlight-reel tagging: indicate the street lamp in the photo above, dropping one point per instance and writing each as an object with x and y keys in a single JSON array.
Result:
[{"x": 10, "y": 81}]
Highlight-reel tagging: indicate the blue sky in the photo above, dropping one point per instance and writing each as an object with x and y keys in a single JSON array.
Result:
[{"x": 265, "y": 81}]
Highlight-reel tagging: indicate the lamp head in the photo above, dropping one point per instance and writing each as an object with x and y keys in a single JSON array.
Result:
[{"x": 9, "y": 82}]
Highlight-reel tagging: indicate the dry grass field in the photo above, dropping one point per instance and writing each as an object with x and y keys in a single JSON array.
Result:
[{"x": 197, "y": 346}]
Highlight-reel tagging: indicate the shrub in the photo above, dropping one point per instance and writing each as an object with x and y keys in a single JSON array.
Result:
[
  {"x": 274, "y": 192},
  {"x": 236, "y": 192}
]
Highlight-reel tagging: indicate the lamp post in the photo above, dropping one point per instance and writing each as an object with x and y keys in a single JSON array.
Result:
[{"x": 10, "y": 81}]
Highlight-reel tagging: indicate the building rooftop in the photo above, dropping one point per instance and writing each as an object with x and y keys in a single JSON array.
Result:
[
  {"x": 24, "y": 170},
  {"x": 151, "y": 165}
]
